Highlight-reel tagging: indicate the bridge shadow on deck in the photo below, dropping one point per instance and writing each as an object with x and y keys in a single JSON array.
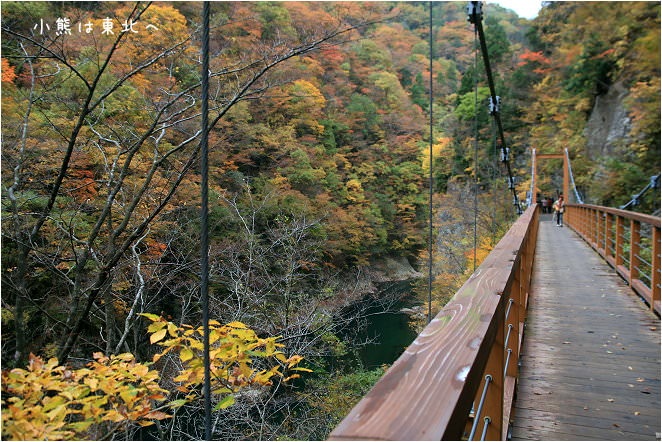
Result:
[{"x": 591, "y": 351}]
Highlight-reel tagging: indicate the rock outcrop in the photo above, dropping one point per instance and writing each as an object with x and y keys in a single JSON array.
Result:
[{"x": 609, "y": 124}]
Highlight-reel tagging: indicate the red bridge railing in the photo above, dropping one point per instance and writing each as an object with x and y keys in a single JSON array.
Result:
[
  {"x": 466, "y": 356},
  {"x": 629, "y": 242}
]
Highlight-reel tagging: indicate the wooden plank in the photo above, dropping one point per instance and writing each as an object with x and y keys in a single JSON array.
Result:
[
  {"x": 574, "y": 377},
  {"x": 648, "y": 415},
  {"x": 592, "y": 394},
  {"x": 531, "y": 434},
  {"x": 605, "y": 433},
  {"x": 626, "y": 422}
]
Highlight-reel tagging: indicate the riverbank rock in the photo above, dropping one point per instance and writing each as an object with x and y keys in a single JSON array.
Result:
[{"x": 392, "y": 269}]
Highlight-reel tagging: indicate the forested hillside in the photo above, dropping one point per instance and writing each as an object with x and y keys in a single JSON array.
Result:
[
  {"x": 594, "y": 78},
  {"x": 318, "y": 175}
]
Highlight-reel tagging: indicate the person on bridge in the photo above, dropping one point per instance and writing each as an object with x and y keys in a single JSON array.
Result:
[{"x": 559, "y": 208}]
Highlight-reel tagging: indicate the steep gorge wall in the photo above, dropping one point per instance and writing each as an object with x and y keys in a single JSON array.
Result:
[{"x": 609, "y": 124}]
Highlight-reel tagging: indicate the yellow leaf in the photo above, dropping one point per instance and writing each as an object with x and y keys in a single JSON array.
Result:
[
  {"x": 237, "y": 324},
  {"x": 185, "y": 354},
  {"x": 151, "y": 316},
  {"x": 155, "y": 326},
  {"x": 172, "y": 329},
  {"x": 156, "y": 337}
]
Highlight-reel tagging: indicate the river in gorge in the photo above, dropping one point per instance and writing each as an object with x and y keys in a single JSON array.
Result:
[{"x": 389, "y": 332}]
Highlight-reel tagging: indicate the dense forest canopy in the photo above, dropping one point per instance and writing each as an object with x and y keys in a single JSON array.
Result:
[{"x": 318, "y": 175}]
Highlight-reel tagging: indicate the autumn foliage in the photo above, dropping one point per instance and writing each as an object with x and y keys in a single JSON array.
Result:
[{"x": 48, "y": 401}]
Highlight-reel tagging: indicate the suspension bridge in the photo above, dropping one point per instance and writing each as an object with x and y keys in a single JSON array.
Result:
[{"x": 555, "y": 336}]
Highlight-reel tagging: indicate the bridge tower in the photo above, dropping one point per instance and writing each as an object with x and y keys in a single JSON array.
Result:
[{"x": 566, "y": 176}]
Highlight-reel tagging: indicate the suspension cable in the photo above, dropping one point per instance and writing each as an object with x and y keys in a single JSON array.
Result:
[
  {"x": 475, "y": 13},
  {"x": 531, "y": 196},
  {"x": 572, "y": 179},
  {"x": 495, "y": 169},
  {"x": 204, "y": 212},
  {"x": 653, "y": 184},
  {"x": 475, "y": 145},
  {"x": 431, "y": 179}
]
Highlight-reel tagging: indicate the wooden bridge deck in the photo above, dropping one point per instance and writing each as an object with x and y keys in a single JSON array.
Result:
[{"x": 591, "y": 351}]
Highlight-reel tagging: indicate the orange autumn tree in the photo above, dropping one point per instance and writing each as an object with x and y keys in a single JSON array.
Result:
[{"x": 8, "y": 73}]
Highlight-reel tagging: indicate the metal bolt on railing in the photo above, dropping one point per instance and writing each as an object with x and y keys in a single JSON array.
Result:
[
  {"x": 505, "y": 368},
  {"x": 488, "y": 379},
  {"x": 487, "y": 424},
  {"x": 510, "y": 328},
  {"x": 510, "y": 304}
]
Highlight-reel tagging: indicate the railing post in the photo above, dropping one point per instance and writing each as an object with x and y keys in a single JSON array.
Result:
[
  {"x": 596, "y": 227},
  {"x": 602, "y": 217},
  {"x": 608, "y": 235},
  {"x": 582, "y": 230},
  {"x": 511, "y": 324},
  {"x": 494, "y": 398},
  {"x": 655, "y": 270},
  {"x": 635, "y": 237},
  {"x": 619, "y": 241},
  {"x": 598, "y": 230}
]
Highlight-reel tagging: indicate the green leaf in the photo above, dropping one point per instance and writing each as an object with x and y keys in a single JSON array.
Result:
[
  {"x": 225, "y": 403},
  {"x": 177, "y": 403}
]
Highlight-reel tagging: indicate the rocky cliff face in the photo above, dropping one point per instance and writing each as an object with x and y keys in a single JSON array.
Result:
[{"x": 609, "y": 124}]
